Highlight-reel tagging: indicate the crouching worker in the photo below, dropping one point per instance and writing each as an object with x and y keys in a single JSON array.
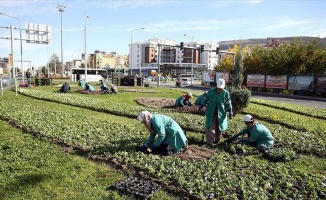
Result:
[
  {"x": 81, "y": 83},
  {"x": 170, "y": 137},
  {"x": 114, "y": 89},
  {"x": 104, "y": 87},
  {"x": 65, "y": 88},
  {"x": 258, "y": 134},
  {"x": 200, "y": 99},
  {"x": 89, "y": 87},
  {"x": 184, "y": 100}
]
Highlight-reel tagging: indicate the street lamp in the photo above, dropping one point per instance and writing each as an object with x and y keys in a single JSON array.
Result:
[
  {"x": 21, "y": 44},
  {"x": 131, "y": 48},
  {"x": 192, "y": 60},
  {"x": 85, "y": 53},
  {"x": 61, "y": 8}
]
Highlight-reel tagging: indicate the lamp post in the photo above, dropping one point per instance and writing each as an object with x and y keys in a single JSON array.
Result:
[
  {"x": 131, "y": 48},
  {"x": 192, "y": 60},
  {"x": 61, "y": 8},
  {"x": 21, "y": 44},
  {"x": 85, "y": 52}
]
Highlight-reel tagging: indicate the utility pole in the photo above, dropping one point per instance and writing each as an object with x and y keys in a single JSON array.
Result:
[{"x": 61, "y": 9}]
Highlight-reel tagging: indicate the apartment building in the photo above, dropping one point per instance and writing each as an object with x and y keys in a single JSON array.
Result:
[{"x": 149, "y": 55}]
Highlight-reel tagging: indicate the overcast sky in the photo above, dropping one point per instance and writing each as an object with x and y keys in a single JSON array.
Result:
[{"x": 110, "y": 23}]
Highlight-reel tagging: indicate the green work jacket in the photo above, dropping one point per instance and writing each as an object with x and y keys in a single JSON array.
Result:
[
  {"x": 260, "y": 134},
  {"x": 179, "y": 102},
  {"x": 200, "y": 99},
  {"x": 223, "y": 103},
  {"x": 168, "y": 132}
]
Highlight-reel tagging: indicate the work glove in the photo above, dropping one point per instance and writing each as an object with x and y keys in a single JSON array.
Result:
[
  {"x": 242, "y": 141},
  {"x": 201, "y": 106},
  {"x": 143, "y": 148},
  {"x": 232, "y": 138},
  {"x": 152, "y": 147},
  {"x": 230, "y": 114}
]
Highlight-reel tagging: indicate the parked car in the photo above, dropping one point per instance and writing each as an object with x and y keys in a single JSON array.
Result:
[
  {"x": 147, "y": 78},
  {"x": 161, "y": 78}
]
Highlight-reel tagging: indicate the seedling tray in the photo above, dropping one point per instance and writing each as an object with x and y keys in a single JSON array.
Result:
[{"x": 138, "y": 187}]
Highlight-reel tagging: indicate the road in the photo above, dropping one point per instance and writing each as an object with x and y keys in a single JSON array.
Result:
[{"x": 299, "y": 100}]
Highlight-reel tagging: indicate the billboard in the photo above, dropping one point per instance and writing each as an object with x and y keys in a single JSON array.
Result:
[
  {"x": 38, "y": 33},
  {"x": 300, "y": 82},
  {"x": 255, "y": 80},
  {"x": 223, "y": 75},
  {"x": 321, "y": 83},
  {"x": 276, "y": 81},
  {"x": 208, "y": 77}
]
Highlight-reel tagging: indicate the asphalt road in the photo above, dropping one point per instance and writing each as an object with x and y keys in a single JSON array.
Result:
[{"x": 293, "y": 99}]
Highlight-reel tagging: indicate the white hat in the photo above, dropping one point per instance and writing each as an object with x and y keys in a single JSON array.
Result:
[
  {"x": 144, "y": 114},
  {"x": 189, "y": 95},
  {"x": 247, "y": 118},
  {"x": 220, "y": 83}
]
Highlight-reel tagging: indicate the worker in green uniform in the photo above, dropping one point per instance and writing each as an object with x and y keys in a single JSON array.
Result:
[
  {"x": 218, "y": 102},
  {"x": 184, "y": 100},
  {"x": 89, "y": 87},
  {"x": 81, "y": 83},
  {"x": 170, "y": 137},
  {"x": 200, "y": 99},
  {"x": 258, "y": 134},
  {"x": 104, "y": 87}
]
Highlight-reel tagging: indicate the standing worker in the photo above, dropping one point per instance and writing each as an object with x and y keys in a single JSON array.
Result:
[
  {"x": 218, "y": 103},
  {"x": 258, "y": 134},
  {"x": 170, "y": 137},
  {"x": 184, "y": 100},
  {"x": 29, "y": 76}
]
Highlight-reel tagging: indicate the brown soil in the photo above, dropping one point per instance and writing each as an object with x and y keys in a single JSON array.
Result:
[
  {"x": 165, "y": 103},
  {"x": 139, "y": 90},
  {"x": 195, "y": 153}
]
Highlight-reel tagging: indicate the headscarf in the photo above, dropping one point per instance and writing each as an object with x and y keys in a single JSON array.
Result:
[{"x": 147, "y": 115}]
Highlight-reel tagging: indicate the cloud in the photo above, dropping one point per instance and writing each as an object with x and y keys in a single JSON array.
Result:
[{"x": 287, "y": 23}]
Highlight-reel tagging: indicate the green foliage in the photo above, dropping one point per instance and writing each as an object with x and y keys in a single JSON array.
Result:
[
  {"x": 240, "y": 99},
  {"x": 294, "y": 58},
  {"x": 223, "y": 175},
  {"x": 237, "y": 77}
]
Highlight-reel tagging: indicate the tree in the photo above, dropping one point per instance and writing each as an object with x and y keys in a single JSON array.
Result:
[
  {"x": 297, "y": 57},
  {"x": 55, "y": 64},
  {"x": 238, "y": 70},
  {"x": 226, "y": 64}
]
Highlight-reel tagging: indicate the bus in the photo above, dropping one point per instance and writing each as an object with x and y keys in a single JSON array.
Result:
[{"x": 93, "y": 75}]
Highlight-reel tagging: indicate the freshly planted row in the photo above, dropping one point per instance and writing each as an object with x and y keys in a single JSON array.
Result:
[
  {"x": 227, "y": 177},
  {"x": 194, "y": 121},
  {"x": 293, "y": 120},
  {"x": 304, "y": 110},
  {"x": 223, "y": 176},
  {"x": 284, "y": 136},
  {"x": 301, "y": 141}
]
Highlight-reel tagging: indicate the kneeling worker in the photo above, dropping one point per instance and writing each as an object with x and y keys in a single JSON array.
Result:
[
  {"x": 170, "y": 137},
  {"x": 258, "y": 134},
  {"x": 65, "y": 88},
  {"x": 184, "y": 100}
]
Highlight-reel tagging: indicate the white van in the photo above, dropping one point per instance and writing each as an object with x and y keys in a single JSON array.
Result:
[{"x": 186, "y": 79}]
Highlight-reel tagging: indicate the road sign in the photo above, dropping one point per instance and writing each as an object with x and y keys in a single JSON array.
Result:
[
  {"x": 158, "y": 75},
  {"x": 10, "y": 59}
]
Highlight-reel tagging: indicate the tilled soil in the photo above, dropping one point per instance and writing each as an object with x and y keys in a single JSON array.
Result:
[
  {"x": 166, "y": 103},
  {"x": 195, "y": 153}
]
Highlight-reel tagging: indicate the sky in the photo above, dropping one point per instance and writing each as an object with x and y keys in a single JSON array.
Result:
[{"x": 110, "y": 23}]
